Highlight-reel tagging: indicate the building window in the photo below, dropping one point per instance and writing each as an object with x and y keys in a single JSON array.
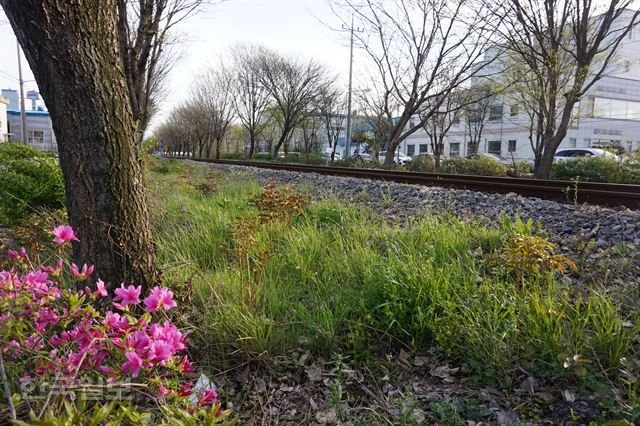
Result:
[
  {"x": 495, "y": 147},
  {"x": 514, "y": 110},
  {"x": 411, "y": 150},
  {"x": 454, "y": 149},
  {"x": 495, "y": 112},
  {"x": 36, "y": 137},
  {"x": 423, "y": 148},
  {"x": 512, "y": 146},
  {"x": 572, "y": 142},
  {"x": 616, "y": 109},
  {"x": 587, "y": 143}
]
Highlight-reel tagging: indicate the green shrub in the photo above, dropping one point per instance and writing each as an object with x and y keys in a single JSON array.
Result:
[
  {"x": 263, "y": 156},
  {"x": 597, "y": 169},
  {"x": 482, "y": 166},
  {"x": 149, "y": 145},
  {"x": 421, "y": 163},
  {"x": 230, "y": 155},
  {"x": 521, "y": 168},
  {"x": 29, "y": 180}
]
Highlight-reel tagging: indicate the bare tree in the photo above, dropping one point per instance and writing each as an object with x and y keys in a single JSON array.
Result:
[
  {"x": 438, "y": 124},
  {"x": 476, "y": 114},
  {"x": 374, "y": 103},
  {"x": 421, "y": 50},
  {"x": 330, "y": 110},
  {"x": 213, "y": 96},
  {"x": 293, "y": 85},
  {"x": 143, "y": 28},
  {"x": 250, "y": 97},
  {"x": 309, "y": 130},
  {"x": 566, "y": 47}
]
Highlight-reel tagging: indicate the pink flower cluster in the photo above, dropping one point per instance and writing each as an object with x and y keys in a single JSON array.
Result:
[{"x": 56, "y": 332}]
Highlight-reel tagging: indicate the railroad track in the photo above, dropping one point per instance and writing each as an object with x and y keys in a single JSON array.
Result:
[{"x": 604, "y": 194}]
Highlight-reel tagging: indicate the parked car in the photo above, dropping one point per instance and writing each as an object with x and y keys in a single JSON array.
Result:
[
  {"x": 399, "y": 158},
  {"x": 422, "y": 155},
  {"x": 573, "y": 153},
  {"x": 336, "y": 157},
  {"x": 494, "y": 157},
  {"x": 364, "y": 156}
]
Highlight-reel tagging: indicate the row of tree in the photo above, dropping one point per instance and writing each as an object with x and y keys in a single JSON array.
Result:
[
  {"x": 98, "y": 66},
  {"x": 435, "y": 63},
  {"x": 269, "y": 96}
]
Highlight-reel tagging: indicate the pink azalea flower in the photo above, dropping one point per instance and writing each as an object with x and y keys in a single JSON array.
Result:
[
  {"x": 169, "y": 334},
  {"x": 133, "y": 364},
  {"x": 185, "y": 366},
  {"x": 116, "y": 321},
  {"x": 101, "y": 289},
  {"x": 160, "y": 352},
  {"x": 127, "y": 296},
  {"x": 82, "y": 274},
  {"x": 160, "y": 298},
  {"x": 63, "y": 234},
  {"x": 208, "y": 398},
  {"x": 163, "y": 390},
  {"x": 46, "y": 317},
  {"x": 53, "y": 270}
]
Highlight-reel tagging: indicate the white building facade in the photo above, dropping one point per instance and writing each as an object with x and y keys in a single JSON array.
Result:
[{"x": 608, "y": 116}]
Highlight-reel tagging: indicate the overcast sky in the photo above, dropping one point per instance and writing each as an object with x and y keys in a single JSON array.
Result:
[{"x": 293, "y": 27}]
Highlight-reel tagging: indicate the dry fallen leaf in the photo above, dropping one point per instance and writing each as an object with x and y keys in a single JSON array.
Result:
[
  {"x": 568, "y": 396},
  {"x": 314, "y": 373},
  {"x": 420, "y": 361},
  {"x": 328, "y": 417},
  {"x": 445, "y": 373}
]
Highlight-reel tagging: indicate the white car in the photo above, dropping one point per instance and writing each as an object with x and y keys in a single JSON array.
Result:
[
  {"x": 573, "y": 153},
  {"x": 494, "y": 157},
  {"x": 399, "y": 158}
]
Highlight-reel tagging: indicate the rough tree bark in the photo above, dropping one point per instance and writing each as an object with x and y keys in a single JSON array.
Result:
[{"x": 73, "y": 51}]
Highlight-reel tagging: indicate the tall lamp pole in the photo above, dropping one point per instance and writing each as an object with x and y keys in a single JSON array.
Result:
[
  {"x": 347, "y": 138},
  {"x": 23, "y": 118}
]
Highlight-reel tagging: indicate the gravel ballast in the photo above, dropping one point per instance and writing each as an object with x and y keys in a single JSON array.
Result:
[{"x": 604, "y": 226}]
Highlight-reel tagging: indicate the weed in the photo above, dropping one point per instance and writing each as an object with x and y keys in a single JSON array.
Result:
[
  {"x": 337, "y": 278},
  {"x": 528, "y": 256},
  {"x": 279, "y": 202}
]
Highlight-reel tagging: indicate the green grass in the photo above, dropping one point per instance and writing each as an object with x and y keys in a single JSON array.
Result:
[{"x": 340, "y": 279}]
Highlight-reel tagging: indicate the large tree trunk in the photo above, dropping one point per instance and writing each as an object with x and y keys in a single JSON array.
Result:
[{"x": 73, "y": 51}]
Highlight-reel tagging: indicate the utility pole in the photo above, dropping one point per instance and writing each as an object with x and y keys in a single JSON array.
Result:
[
  {"x": 347, "y": 138},
  {"x": 23, "y": 117}
]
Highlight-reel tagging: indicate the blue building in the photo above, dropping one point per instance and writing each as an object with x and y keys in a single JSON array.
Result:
[{"x": 38, "y": 129}]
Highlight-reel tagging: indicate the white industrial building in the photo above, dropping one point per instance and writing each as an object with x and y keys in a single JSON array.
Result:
[{"x": 609, "y": 115}]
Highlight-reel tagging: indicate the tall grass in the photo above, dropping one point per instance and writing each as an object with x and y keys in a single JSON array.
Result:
[{"x": 339, "y": 278}]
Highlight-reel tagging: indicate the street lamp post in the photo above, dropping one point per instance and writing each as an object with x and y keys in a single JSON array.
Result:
[
  {"x": 347, "y": 138},
  {"x": 23, "y": 118}
]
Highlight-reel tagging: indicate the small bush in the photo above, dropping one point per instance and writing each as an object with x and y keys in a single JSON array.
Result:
[
  {"x": 263, "y": 156},
  {"x": 597, "y": 169},
  {"x": 67, "y": 361},
  {"x": 421, "y": 163},
  {"x": 521, "y": 168},
  {"x": 29, "y": 180},
  {"x": 231, "y": 156},
  {"x": 529, "y": 256},
  {"x": 481, "y": 166},
  {"x": 279, "y": 202}
]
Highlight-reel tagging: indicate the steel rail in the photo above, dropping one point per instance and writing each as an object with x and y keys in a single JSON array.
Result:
[{"x": 604, "y": 194}]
